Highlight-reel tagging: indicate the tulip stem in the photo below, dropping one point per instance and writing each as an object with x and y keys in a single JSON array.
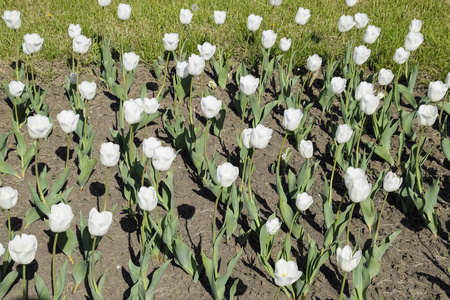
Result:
[
  {"x": 68, "y": 152},
  {"x": 349, "y": 223},
  {"x": 292, "y": 223},
  {"x": 215, "y": 212},
  {"x": 106, "y": 188},
  {"x": 78, "y": 105},
  {"x": 143, "y": 171},
  {"x": 201, "y": 84},
  {"x": 419, "y": 184},
  {"x": 125, "y": 96},
  {"x": 205, "y": 138},
  {"x": 359, "y": 140},
  {"x": 242, "y": 118},
  {"x": 36, "y": 171},
  {"x": 85, "y": 125},
  {"x": 17, "y": 54},
  {"x": 24, "y": 279},
  {"x": 301, "y": 91},
  {"x": 278, "y": 291},
  {"x": 341, "y": 294},
  {"x": 246, "y": 46},
  {"x": 143, "y": 235},
  {"x": 279, "y": 153},
  {"x": 157, "y": 192},
  {"x": 9, "y": 225},
  {"x": 191, "y": 118},
  {"x": 243, "y": 171},
  {"x": 94, "y": 282},
  {"x": 32, "y": 77},
  {"x": 53, "y": 263},
  {"x": 15, "y": 112},
  {"x": 332, "y": 174},
  {"x": 349, "y": 90},
  {"x": 165, "y": 76},
  {"x": 250, "y": 175},
  {"x": 374, "y": 242},
  {"x": 442, "y": 109}
]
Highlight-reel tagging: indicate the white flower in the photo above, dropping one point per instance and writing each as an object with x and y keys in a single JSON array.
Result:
[
  {"x": 206, "y": 50},
  {"x": 253, "y": 22},
  {"x": 87, "y": 89},
  {"x": 246, "y": 135},
  {"x": 185, "y": 16},
  {"x": 391, "y": 182},
  {"x": 248, "y": 84},
  {"x": 343, "y": 133},
  {"x": 74, "y": 30},
  {"x": 303, "y": 201},
  {"x": 401, "y": 55},
  {"x": 99, "y": 223},
  {"x": 427, "y": 114},
  {"x": 227, "y": 174},
  {"x": 210, "y": 106},
  {"x": 345, "y": 23},
  {"x": 361, "y": 54},
  {"x": 292, "y": 118},
  {"x": 313, "y": 62},
  {"x": 60, "y": 217},
  {"x": 132, "y": 111},
  {"x": 260, "y": 136},
  {"x": 32, "y": 43},
  {"x": 351, "y": 3},
  {"x": 437, "y": 91},
  {"x": 124, "y": 11},
  {"x": 371, "y": 34},
  {"x": 286, "y": 273},
  {"x": 104, "y": 3},
  {"x": 385, "y": 76},
  {"x": 8, "y": 197},
  {"x": 170, "y": 41},
  {"x": 351, "y": 174},
  {"x": 2, "y": 249},
  {"x": 12, "y": 19},
  {"x": 151, "y": 105},
  {"x": 163, "y": 158},
  {"x": 338, "y": 85},
  {"x": 345, "y": 260},
  {"x": 16, "y": 88},
  {"x": 361, "y": 20},
  {"x": 369, "y": 104},
  {"x": 182, "y": 69},
  {"x": 363, "y": 88},
  {"x": 268, "y": 38},
  {"x": 306, "y": 149},
  {"x": 285, "y": 44},
  {"x": 109, "y": 154},
  {"x": 130, "y": 61},
  {"x": 39, "y": 126},
  {"x": 149, "y": 145},
  {"x": 196, "y": 65},
  {"x": 276, "y": 2},
  {"x": 272, "y": 226},
  {"x": 413, "y": 41},
  {"x": 302, "y": 16},
  {"x": 359, "y": 190},
  {"x": 23, "y": 248},
  {"x": 447, "y": 79},
  {"x": 68, "y": 120},
  {"x": 415, "y": 25},
  {"x": 147, "y": 198},
  {"x": 219, "y": 17}
]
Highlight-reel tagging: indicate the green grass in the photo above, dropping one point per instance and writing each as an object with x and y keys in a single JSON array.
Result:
[{"x": 151, "y": 19}]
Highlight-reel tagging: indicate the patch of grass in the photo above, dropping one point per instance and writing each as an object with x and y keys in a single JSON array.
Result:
[{"x": 151, "y": 19}]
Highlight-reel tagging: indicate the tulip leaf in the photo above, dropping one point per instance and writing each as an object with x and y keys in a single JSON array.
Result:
[
  {"x": 431, "y": 197},
  {"x": 222, "y": 280},
  {"x": 184, "y": 257},
  {"x": 86, "y": 171},
  {"x": 3, "y": 144},
  {"x": 41, "y": 289},
  {"x": 361, "y": 279},
  {"x": 102, "y": 280},
  {"x": 230, "y": 222},
  {"x": 79, "y": 273},
  {"x": 155, "y": 279},
  {"x": 407, "y": 94},
  {"x": 59, "y": 183},
  {"x": 7, "y": 282},
  {"x": 218, "y": 123},
  {"x": 61, "y": 281},
  {"x": 67, "y": 241},
  {"x": 7, "y": 169},
  {"x": 445, "y": 143}
]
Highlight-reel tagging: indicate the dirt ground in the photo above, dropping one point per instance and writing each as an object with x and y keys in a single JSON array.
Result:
[{"x": 412, "y": 268}]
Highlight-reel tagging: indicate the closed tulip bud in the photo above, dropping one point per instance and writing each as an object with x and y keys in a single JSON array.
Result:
[
  {"x": 260, "y": 136},
  {"x": 170, "y": 41},
  {"x": 371, "y": 34},
  {"x": 74, "y": 30},
  {"x": 99, "y": 223},
  {"x": 343, "y": 133},
  {"x": 413, "y": 41},
  {"x": 147, "y": 198},
  {"x": 8, "y": 197},
  {"x": 182, "y": 69},
  {"x": 210, "y": 106},
  {"x": 227, "y": 174},
  {"x": 401, "y": 55},
  {"x": 285, "y": 44},
  {"x": 60, "y": 217},
  {"x": 306, "y": 149},
  {"x": 151, "y": 105},
  {"x": 253, "y": 22},
  {"x": 39, "y": 126},
  {"x": 303, "y": 201},
  {"x": 363, "y": 88},
  {"x": 219, "y": 17},
  {"x": 361, "y": 20},
  {"x": 68, "y": 120},
  {"x": 415, "y": 25},
  {"x": 206, "y": 50},
  {"x": 248, "y": 84},
  {"x": 185, "y": 16},
  {"x": 351, "y": 174},
  {"x": 346, "y": 260},
  {"x": 351, "y": 3},
  {"x": 272, "y": 226},
  {"x": 246, "y": 135},
  {"x": 23, "y": 248},
  {"x": 361, "y": 54},
  {"x": 87, "y": 89},
  {"x": 32, "y": 43},
  {"x": 391, "y": 182},
  {"x": 292, "y": 118},
  {"x": 132, "y": 111},
  {"x": 196, "y": 65},
  {"x": 268, "y": 38},
  {"x": 109, "y": 154},
  {"x": 163, "y": 158},
  {"x": 338, "y": 85},
  {"x": 427, "y": 114},
  {"x": 437, "y": 91},
  {"x": 276, "y": 2},
  {"x": 124, "y": 11},
  {"x": 302, "y": 16},
  {"x": 73, "y": 78},
  {"x": 104, "y": 3},
  {"x": 313, "y": 63},
  {"x": 345, "y": 23},
  {"x": 12, "y": 19},
  {"x": 359, "y": 190},
  {"x": 385, "y": 76},
  {"x": 369, "y": 104},
  {"x": 16, "y": 88},
  {"x": 130, "y": 61},
  {"x": 286, "y": 273},
  {"x": 149, "y": 145}
]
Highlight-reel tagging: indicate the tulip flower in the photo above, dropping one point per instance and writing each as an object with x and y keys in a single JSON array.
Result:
[
  {"x": 163, "y": 158},
  {"x": 109, "y": 157},
  {"x": 210, "y": 106},
  {"x": 351, "y": 174},
  {"x": 182, "y": 69},
  {"x": 306, "y": 149},
  {"x": 32, "y": 43},
  {"x": 248, "y": 84},
  {"x": 351, "y": 3},
  {"x": 302, "y": 16},
  {"x": 132, "y": 111},
  {"x": 338, "y": 85},
  {"x": 147, "y": 198},
  {"x": 415, "y": 25},
  {"x": 149, "y": 145},
  {"x": 151, "y": 105},
  {"x": 130, "y": 61},
  {"x": 196, "y": 65},
  {"x": 437, "y": 91},
  {"x": 245, "y": 137},
  {"x": 303, "y": 201},
  {"x": 286, "y": 273},
  {"x": 60, "y": 217},
  {"x": 39, "y": 126},
  {"x": 12, "y": 19},
  {"x": 272, "y": 226},
  {"x": 8, "y": 197},
  {"x": 369, "y": 104},
  {"x": 253, "y": 22},
  {"x": 285, "y": 44},
  {"x": 206, "y": 50},
  {"x": 87, "y": 89},
  {"x": 227, "y": 174},
  {"x": 413, "y": 41},
  {"x": 81, "y": 44},
  {"x": 401, "y": 55},
  {"x": 385, "y": 76},
  {"x": 260, "y": 137},
  {"x": 343, "y": 133},
  {"x": 361, "y": 20},
  {"x": 276, "y": 2},
  {"x": 359, "y": 190},
  {"x": 346, "y": 23},
  {"x": 292, "y": 118},
  {"x": 219, "y": 17},
  {"x": 391, "y": 182},
  {"x": 313, "y": 62},
  {"x": 371, "y": 34},
  {"x": 363, "y": 88},
  {"x": 268, "y": 38},
  {"x": 347, "y": 261},
  {"x": 74, "y": 30},
  {"x": 170, "y": 41},
  {"x": 104, "y": 3},
  {"x": 16, "y": 88},
  {"x": 361, "y": 54},
  {"x": 427, "y": 114},
  {"x": 124, "y": 11},
  {"x": 185, "y": 16}
]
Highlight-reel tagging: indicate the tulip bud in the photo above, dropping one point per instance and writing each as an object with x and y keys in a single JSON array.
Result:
[
  {"x": 253, "y": 22},
  {"x": 369, "y": 104},
  {"x": 260, "y": 136},
  {"x": 147, "y": 198},
  {"x": 401, "y": 55},
  {"x": 246, "y": 135},
  {"x": 87, "y": 89},
  {"x": 99, "y": 223},
  {"x": 286, "y": 273},
  {"x": 16, "y": 88},
  {"x": 210, "y": 106},
  {"x": 359, "y": 190},
  {"x": 74, "y": 30},
  {"x": 413, "y": 41},
  {"x": 345, "y": 23},
  {"x": 285, "y": 44},
  {"x": 132, "y": 111},
  {"x": 276, "y": 2},
  {"x": 303, "y": 201},
  {"x": 272, "y": 226},
  {"x": 385, "y": 76},
  {"x": 185, "y": 16},
  {"x": 151, "y": 105},
  {"x": 12, "y": 19},
  {"x": 170, "y": 41},
  {"x": 109, "y": 154},
  {"x": 8, "y": 197},
  {"x": 346, "y": 260},
  {"x": 32, "y": 43},
  {"x": 361, "y": 54},
  {"x": 313, "y": 63},
  {"x": 149, "y": 145},
  {"x": 124, "y": 11},
  {"x": 39, "y": 126},
  {"x": 427, "y": 114},
  {"x": 206, "y": 50},
  {"x": 226, "y": 174},
  {"x": 182, "y": 69},
  {"x": 268, "y": 38},
  {"x": 219, "y": 17},
  {"x": 391, "y": 182},
  {"x": 163, "y": 158},
  {"x": 361, "y": 20},
  {"x": 68, "y": 120},
  {"x": 130, "y": 61},
  {"x": 363, "y": 88},
  {"x": 73, "y": 78},
  {"x": 248, "y": 84},
  {"x": 343, "y": 133},
  {"x": 415, "y": 25},
  {"x": 437, "y": 91},
  {"x": 371, "y": 34},
  {"x": 302, "y": 16},
  {"x": 351, "y": 3},
  {"x": 60, "y": 217},
  {"x": 23, "y": 248},
  {"x": 196, "y": 65},
  {"x": 338, "y": 85},
  {"x": 292, "y": 118},
  {"x": 306, "y": 149}
]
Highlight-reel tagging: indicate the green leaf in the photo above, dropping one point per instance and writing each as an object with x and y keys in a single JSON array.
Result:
[
  {"x": 67, "y": 241},
  {"x": 59, "y": 183},
  {"x": 41, "y": 289},
  {"x": 86, "y": 171},
  {"x": 79, "y": 273},
  {"x": 155, "y": 279},
  {"x": 7, "y": 282},
  {"x": 7, "y": 169},
  {"x": 431, "y": 197},
  {"x": 61, "y": 281},
  {"x": 184, "y": 257},
  {"x": 445, "y": 143},
  {"x": 223, "y": 76}
]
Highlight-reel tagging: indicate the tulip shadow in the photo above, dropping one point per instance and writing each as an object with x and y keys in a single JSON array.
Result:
[
  {"x": 61, "y": 152},
  {"x": 435, "y": 280},
  {"x": 51, "y": 239},
  {"x": 41, "y": 167},
  {"x": 30, "y": 270},
  {"x": 16, "y": 223},
  {"x": 252, "y": 264},
  {"x": 333, "y": 278},
  {"x": 97, "y": 189}
]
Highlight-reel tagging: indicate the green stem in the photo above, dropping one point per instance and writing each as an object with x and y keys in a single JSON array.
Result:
[
  {"x": 54, "y": 263},
  {"x": 246, "y": 46},
  {"x": 191, "y": 117},
  {"x": 17, "y": 54},
  {"x": 145, "y": 128},
  {"x": 349, "y": 223},
  {"x": 157, "y": 192},
  {"x": 243, "y": 171},
  {"x": 143, "y": 235},
  {"x": 106, "y": 188},
  {"x": 349, "y": 90},
  {"x": 125, "y": 96},
  {"x": 374, "y": 242},
  {"x": 250, "y": 175},
  {"x": 417, "y": 161},
  {"x": 278, "y": 291},
  {"x": 205, "y": 139},
  {"x": 215, "y": 212},
  {"x": 78, "y": 80},
  {"x": 143, "y": 171},
  {"x": 36, "y": 171},
  {"x": 332, "y": 175},
  {"x": 24, "y": 279},
  {"x": 302, "y": 90},
  {"x": 279, "y": 153},
  {"x": 341, "y": 294},
  {"x": 94, "y": 282},
  {"x": 442, "y": 109},
  {"x": 84, "y": 125},
  {"x": 165, "y": 75},
  {"x": 292, "y": 223},
  {"x": 201, "y": 84},
  {"x": 9, "y": 225},
  {"x": 359, "y": 139},
  {"x": 68, "y": 152},
  {"x": 242, "y": 118},
  {"x": 32, "y": 76},
  {"x": 15, "y": 112}
]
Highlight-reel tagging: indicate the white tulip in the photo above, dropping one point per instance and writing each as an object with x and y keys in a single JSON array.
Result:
[
  {"x": 149, "y": 145},
  {"x": 16, "y": 88},
  {"x": 151, "y": 105},
  {"x": 99, "y": 223},
  {"x": 292, "y": 118},
  {"x": 246, "y": 135},
  {"x": 363, "y": 88},
  {"x": 351, "y": 3},
  {"x": 338, "y": 85},
  {"x": 286, "y": 273},
  {"x": 385, "y": 76},
  {"x": 39, "y": 126},
  {"x": 359, "y": 190},
  {"x": 285, "y": 44},
  {"x": 415, "y": 25},
  {"x": 401, "y": 55},
  {"x": 302, "y": 16},
  {"x": 306, "y": 149},
  {"x": 124, "y": 11},
  {"x": 182, "y": 69},
  {"x": 346, "y": 260},
  {"x": 260, "y": 136},
  {"x": 253, "y": 22},
  {"x": 303, "y": 201},
  {"x": 196, "y": 65},
  {"x": 371, "y": 34},
  {"x": 369, "y": 104},
  {"x": 351, "y": 174},
  {"x": 8, "y": 197},
  {"x": 60, "y": 217},
  {"x": 210, "y": 106},
  {"x": 109, "y": 154},
  {"x": 272, "y": 226},
  {"x": 185, "y": 16},
  {"x": 12, "y": 19},
  {"x": 219, "y": 17},
  {"x": 87, "y": 89},
  {"x": 104, "y": 3},
  {"x": 276, "y": 2},
  {"x": 206, "y": 50},
  {"x": 391, "y": 182},
  {"x": 32, "y": 43},
  {"x": 170, "y": 41},
  {"x": 313, "y": 62},
  {"x": 437, "y": 91},
  {"x": 361, "y": 20},
  {"x": 226, "y": 174},
  {"x": 147, "y": 198},
  {"x": 268, "y": 38},
  {"x": 361, "y": 54},
  {"x": 343, "y": 133},
  {"x": 130, "y": 61},
  {"x": 345, "y": 23},
  {"x": 427, "y": 114},
  {"x": 74, "y": 30},
  {"x": 23, "y": 248},
  {"x": 413, "y": 41},
  {"x": 163, "y": 158},
  {"x": 248, "y": 84},
  {"x": 68, "y": 120}
]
